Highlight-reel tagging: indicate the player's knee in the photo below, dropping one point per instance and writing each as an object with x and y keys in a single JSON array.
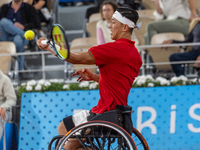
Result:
[{"x": 62, "y": 129}]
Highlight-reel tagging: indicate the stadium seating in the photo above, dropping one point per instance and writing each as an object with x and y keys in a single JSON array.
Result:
[
  {"x": 148, "y": 4},
  {"x": 141, "y": 32},
  {"x": 161, "y": 55},
  {"x": 148, "y": 13},
  {"x": 83, "y": 44},
  {"x": 8, "y": 62},
  {"x": 91, "y": 28},
  {"x": 4, "y": 2},
  {"x": 95, "y": 17}
]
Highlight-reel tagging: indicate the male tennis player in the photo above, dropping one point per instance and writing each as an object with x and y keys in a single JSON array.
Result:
[{"x": 119, "y": 63}]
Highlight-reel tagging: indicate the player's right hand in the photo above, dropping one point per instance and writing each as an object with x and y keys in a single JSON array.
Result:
[
  {"x": 40, "y": 45},
  {"x": 45, "y": 46},
  {"x": 85, "y": 75}
]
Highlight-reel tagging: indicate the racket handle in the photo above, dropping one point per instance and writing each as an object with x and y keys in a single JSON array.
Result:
[
  {"x": 50, "y": 48},
  {"x": 44, "y": 42}
]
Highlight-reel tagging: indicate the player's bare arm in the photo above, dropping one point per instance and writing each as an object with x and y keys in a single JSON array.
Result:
[{"x": 81, "y": 58}]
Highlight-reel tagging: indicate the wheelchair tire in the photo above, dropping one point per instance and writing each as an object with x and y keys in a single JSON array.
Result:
[
  {"x": 55, "y": 139},
  {"x": 99, "y": 135},
  {"x": 139, "y": 140}
]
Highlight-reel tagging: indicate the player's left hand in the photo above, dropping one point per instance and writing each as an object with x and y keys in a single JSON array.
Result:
[{"x": 85, "y": 75}]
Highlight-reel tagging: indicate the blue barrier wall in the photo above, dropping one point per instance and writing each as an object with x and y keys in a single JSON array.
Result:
[{"x": 168, "y": 117}]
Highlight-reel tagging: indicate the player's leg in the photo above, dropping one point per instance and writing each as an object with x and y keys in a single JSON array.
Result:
[
  {"x": 72, "y": 144},
  {"x": 62, "y": 129},
  {"x": 70, "y": 122}
]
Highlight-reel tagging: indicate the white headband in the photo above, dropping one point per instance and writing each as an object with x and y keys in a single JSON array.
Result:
[{"x": 124, "y": 20}]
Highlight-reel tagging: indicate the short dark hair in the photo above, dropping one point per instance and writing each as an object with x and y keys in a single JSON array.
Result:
[
  {"x": 110, "y": 2},
  {"x": 129, "y": 13}
]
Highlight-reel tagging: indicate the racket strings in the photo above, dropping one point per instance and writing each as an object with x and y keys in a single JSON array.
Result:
[{"x": 60, "y": 44}]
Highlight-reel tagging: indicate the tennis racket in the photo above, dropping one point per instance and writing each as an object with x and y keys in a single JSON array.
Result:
[{"x": 58, "y": 41}]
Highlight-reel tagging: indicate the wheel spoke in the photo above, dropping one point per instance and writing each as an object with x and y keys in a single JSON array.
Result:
[
  {"x": 81, "y": 142},
  {"x": 101, "y": 135}
]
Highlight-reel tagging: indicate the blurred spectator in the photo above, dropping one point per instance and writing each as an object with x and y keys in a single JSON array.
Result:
[
  {"x": 42, "y": 11},
  {"x": 93, "y": 9},
  {"x": 15, "y": 18},
  {"x": 197, "y": 64},
  {"x": 172, "y": 16},
  {"x": 107, "y": 10},
  {"x": 7, "y": 100},
  {"x": 131, "y": 3},
  {"x": 194, "y": 36}
]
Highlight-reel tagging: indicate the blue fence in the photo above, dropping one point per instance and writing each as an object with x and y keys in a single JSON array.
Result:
[{"x": 168, "y": 117}]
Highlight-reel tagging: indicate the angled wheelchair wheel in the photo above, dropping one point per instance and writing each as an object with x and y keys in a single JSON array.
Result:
[
  {"x": 98, "y": 135},
  {"x": 55, "y": 140},
  {"x": 139, "y": 140}
]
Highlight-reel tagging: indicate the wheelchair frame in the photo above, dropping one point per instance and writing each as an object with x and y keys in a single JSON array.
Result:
[{"x": 103, "y": 134}]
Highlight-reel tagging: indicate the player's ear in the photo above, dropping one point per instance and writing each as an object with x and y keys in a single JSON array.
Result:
[{"x": 125, "y": 28}]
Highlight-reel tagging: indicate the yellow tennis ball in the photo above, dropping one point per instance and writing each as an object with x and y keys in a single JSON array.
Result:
[{"x": 29, "y": 35}]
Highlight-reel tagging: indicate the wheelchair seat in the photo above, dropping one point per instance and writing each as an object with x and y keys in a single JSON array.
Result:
[{"x": 121, "y": 116}]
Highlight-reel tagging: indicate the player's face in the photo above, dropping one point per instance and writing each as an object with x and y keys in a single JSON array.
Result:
[
  {"x": 107, "y": 11},
  {"x": 116, "y": 29}
]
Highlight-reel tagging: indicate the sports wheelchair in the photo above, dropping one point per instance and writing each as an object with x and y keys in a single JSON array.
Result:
[{"x": 107, "y": 131}]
